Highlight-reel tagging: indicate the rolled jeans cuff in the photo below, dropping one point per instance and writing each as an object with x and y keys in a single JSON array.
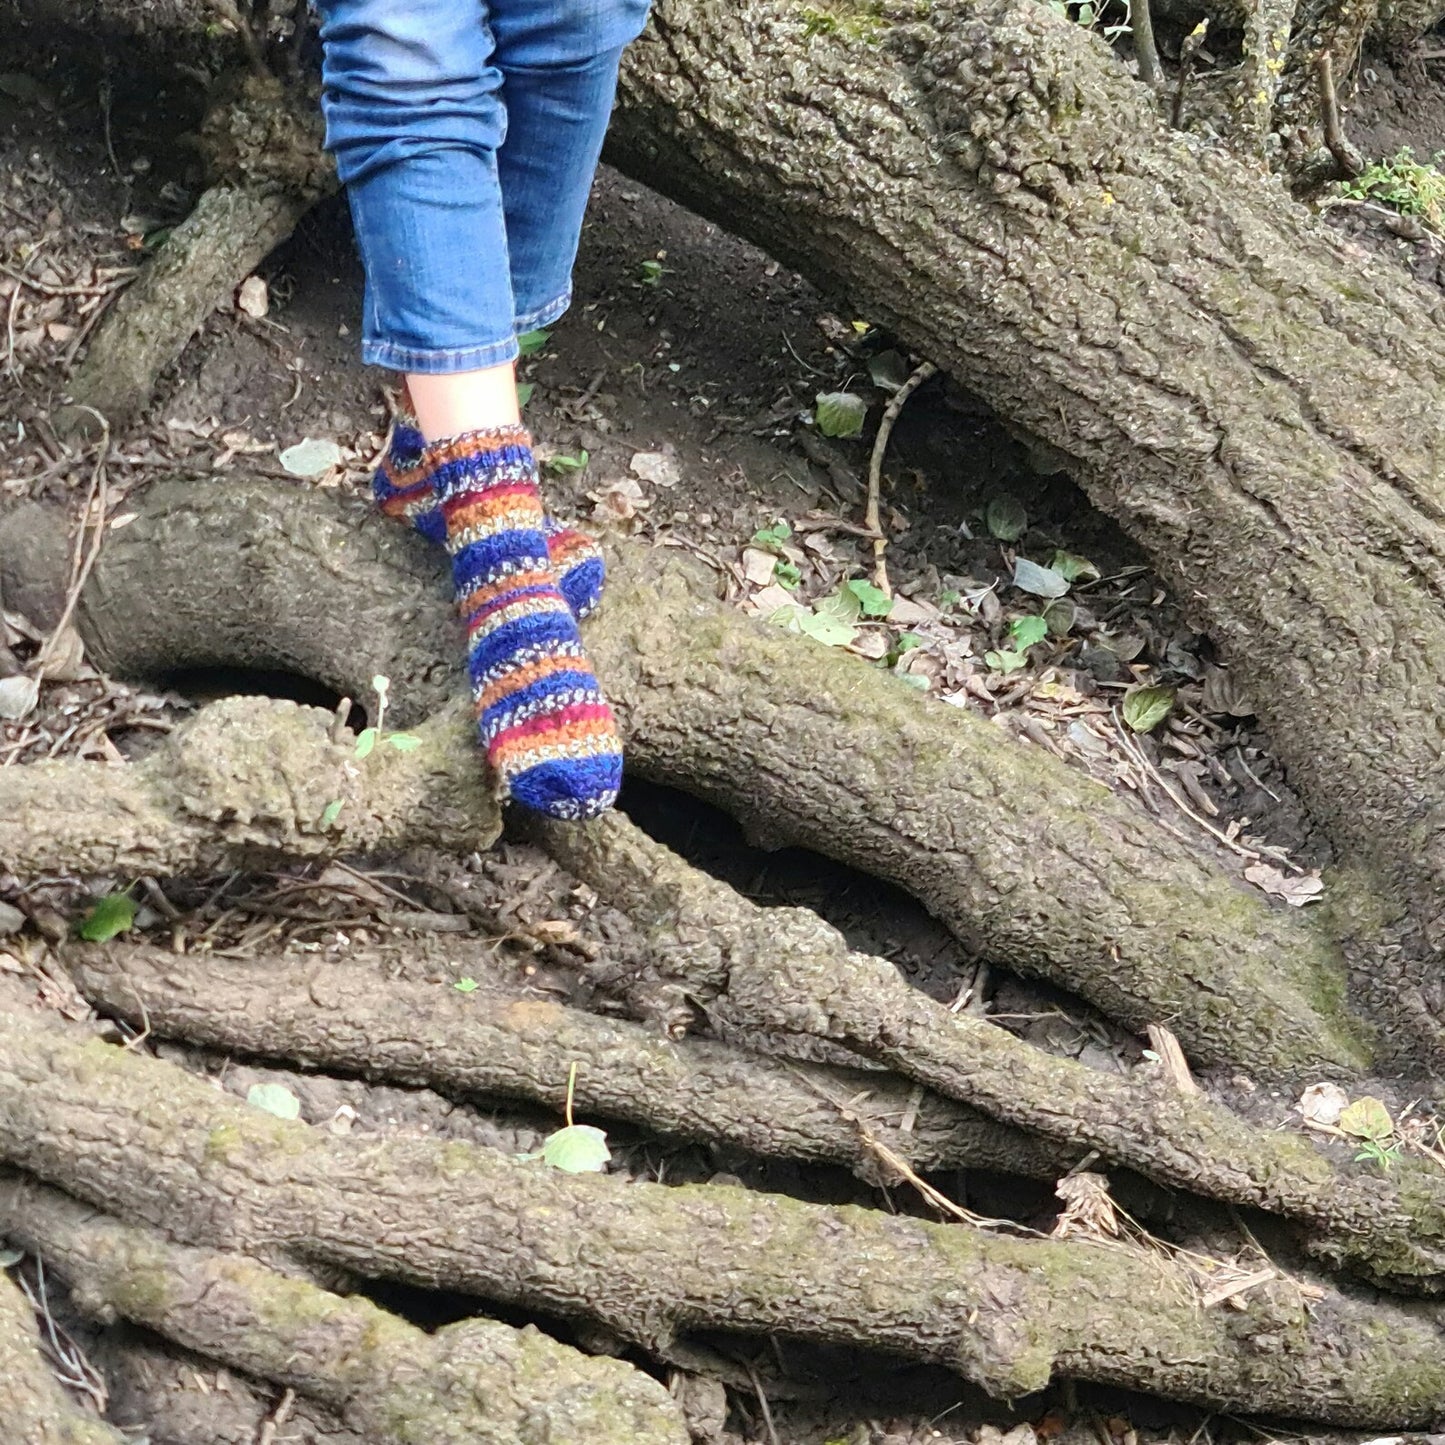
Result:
[{"x": 427, "y": 361}]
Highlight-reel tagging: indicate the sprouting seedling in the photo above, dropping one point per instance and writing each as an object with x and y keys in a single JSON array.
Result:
[{"x": 368, "y": 738}]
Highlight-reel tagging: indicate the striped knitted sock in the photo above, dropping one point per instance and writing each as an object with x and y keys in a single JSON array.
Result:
[
  {"x": 576, "y": 558},
  {"x": 547, "y": 729}
]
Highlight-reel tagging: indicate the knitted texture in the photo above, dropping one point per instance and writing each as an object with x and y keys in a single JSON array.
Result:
[
  {"x": 576, "y": 558},
  {"x": 547, "y": 729}
]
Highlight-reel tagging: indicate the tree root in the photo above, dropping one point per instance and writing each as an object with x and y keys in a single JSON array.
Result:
[
  {"x": 786, "y": 970},
  {"x": 230, "y": 231},
  {"x": 476, "y": 1381},
  {"x": 1023, "y": 857},
  {"x": 246, "y": 782},
  {"x": 349, "y": 1018},
  {"x": 33, "y": 1407},
  {"x": 648, "y": 1261}
]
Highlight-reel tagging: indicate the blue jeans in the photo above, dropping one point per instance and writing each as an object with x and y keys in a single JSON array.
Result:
[{"x": 467, "y": 133}]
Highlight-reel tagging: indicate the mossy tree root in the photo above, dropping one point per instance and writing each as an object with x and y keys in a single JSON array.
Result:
[
  {"x": 118, "y": 1130},
  {"x": 1028, "y": 860},
  {"x": 475, "y": 1381},
  {"x": 355, "y": 1018},
  {"x": 33, "y": 1407},
  {"x": 784, "y": 970}
]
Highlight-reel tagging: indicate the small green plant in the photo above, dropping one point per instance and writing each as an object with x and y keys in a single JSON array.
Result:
[
  {"x": 1026, "y": 632},
  {"x": 466, "y": 985},
  {"x": 773, "y": 536},
  {"x": 1412, "y": 187},
  {"x": 650, "y": 272},
  {"x": 563, "y": 462},
  {"x": 529, "y": 343},
  {"x": 576, "y": 1148},
  {"x": 111, "y": 916},
  {"x": 1088, "y": 13}
]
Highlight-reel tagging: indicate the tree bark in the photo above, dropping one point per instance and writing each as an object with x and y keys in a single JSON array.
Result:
[
  {"x": 1027, "y": 859},
  {"x": 475, "y": 1381},
  {"x": 120, "y": 1130},
  {"x": 988, "y": 182}
]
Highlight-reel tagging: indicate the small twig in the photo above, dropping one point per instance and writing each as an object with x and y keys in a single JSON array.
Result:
[
  {"x": 1349, "y": 160},
  {"x": 1187, "y": 51},
  {"x": 104, "y": 95},
  {"x": 1146, "y": 53},
  {"x": 763, "y": 1406},
  {"x": 96, "y": 501},
  {"x": 255, "y": 54},
  {"x": 871, "y": 519}
]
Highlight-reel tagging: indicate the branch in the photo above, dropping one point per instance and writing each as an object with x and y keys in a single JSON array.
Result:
[
  {"x": 246, "y": 782},
  {"x": 117, "y": 1129},
  {"x": 785, "y": 970},
  {"x": 1025, "y": 858},
  {"x": 388, "y": 1380},
  {"x": 496, "y": 1043}
]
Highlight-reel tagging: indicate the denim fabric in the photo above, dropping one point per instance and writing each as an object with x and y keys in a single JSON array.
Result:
[{"x": 467, "y": 133}]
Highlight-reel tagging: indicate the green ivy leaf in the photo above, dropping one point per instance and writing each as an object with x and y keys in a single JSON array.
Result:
[
  {"x": 1006, "y": 660},
  {"x": 403, "y": 742},
  {"x": 525, "y": 392},
  {"x": 873, "y": 601},
  {"x": 275, "y": 1099},
  {"x": 365, "y": 741},
  {"x": 112, "y": 915},
  {"x": 577, "y": 1149},
  {"x": 1027, "y": 631},
  {"x": 825, "y": 628},
  {"x": 1146, "y": 707},
  {"x": 839, "y": 413},
  {"x": 529, "y": 343},
  {"x": 1071, "y": 568},
  {"x": 1006, "y": 519}
]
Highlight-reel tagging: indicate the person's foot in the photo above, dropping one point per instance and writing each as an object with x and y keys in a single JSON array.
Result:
[
  {"x": 576, "y": 558},
  {"x": 548, "y": 731}
]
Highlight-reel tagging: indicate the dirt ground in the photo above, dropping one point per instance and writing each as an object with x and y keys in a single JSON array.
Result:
[{"x": 687, "y": 372}]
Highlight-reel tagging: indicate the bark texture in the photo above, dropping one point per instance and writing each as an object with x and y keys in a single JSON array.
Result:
[
  {"x": 650, "y": 1261},
  {"x": 1023, "y": 857},
  {"x": 784, "y": 970},
  {"x": 350, "y": 1019},
  {"x": 472, "y": 1383},
  {"x": 246, "y": 783},
  {"x": 986, "y": 180}
]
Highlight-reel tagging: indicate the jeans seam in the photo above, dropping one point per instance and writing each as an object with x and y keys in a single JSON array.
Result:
[
  {"x": 424, "y": 360},
  {"x": 543, "y": 315}
]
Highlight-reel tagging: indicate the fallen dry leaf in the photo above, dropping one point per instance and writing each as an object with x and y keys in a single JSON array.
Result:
[
  {"x": 659, "y": 468},
  {"x": 1295, "y": 891},
  {"x": 1323, "y": 1104},
  {"x": 619, "y": 501},
  {"x": 758, "y": 566}
]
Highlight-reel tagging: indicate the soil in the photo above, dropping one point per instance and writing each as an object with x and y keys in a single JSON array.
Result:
[{"x": 686, "y": 345}]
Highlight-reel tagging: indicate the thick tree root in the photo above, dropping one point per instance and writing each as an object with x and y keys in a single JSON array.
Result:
[
  {"x": 205, "y": 258},
  {"x": 476, "y": 1381},
  {"x": 988, "y": 182},
  {"x": 784, "y": 969},
  {"x": 248, "y": 781},
  {"x": 34, "y": 1410},
  {"x": 649, "y": 1261},
  {"x": 1025, "y": 858},
  {"x": 349, "y": 1018}
]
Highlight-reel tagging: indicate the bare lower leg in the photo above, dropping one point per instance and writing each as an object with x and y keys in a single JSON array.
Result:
[{"x": 461, "y": 401}]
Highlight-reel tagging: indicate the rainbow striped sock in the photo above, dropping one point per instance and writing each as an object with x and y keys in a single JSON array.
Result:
[
  {"x": 576, "y": 558},
  {"x": 547, "y": 729}
]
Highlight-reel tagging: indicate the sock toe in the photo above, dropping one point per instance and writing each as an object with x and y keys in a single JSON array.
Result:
[{"x": 572, "y": 789}]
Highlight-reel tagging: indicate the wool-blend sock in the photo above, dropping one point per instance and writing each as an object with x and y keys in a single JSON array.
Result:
[
  {"x": 576, "y": 558},
  {"x": 547, "y": 729}
]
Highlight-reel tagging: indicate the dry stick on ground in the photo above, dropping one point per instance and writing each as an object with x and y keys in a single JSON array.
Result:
[
  {"x": 477, "y": 1380},
  {"x": 34, "y": 1410},
  {"x": 125, "y": 1132},
  {"x": 1026, "y": 859},
  {"x": 871, "y": 518},
  {"x": 1349, "y": 160},
  {"x": 247, "y": 781},
  {"x": 785, "y": 970},
  {"x": 346, "y": 1016}
]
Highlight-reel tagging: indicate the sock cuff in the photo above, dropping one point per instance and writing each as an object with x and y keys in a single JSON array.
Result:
[{"x": 473, "y": 458}]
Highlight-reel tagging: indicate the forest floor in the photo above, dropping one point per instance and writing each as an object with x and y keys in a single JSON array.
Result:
[{"x": 675, "y": 401}]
